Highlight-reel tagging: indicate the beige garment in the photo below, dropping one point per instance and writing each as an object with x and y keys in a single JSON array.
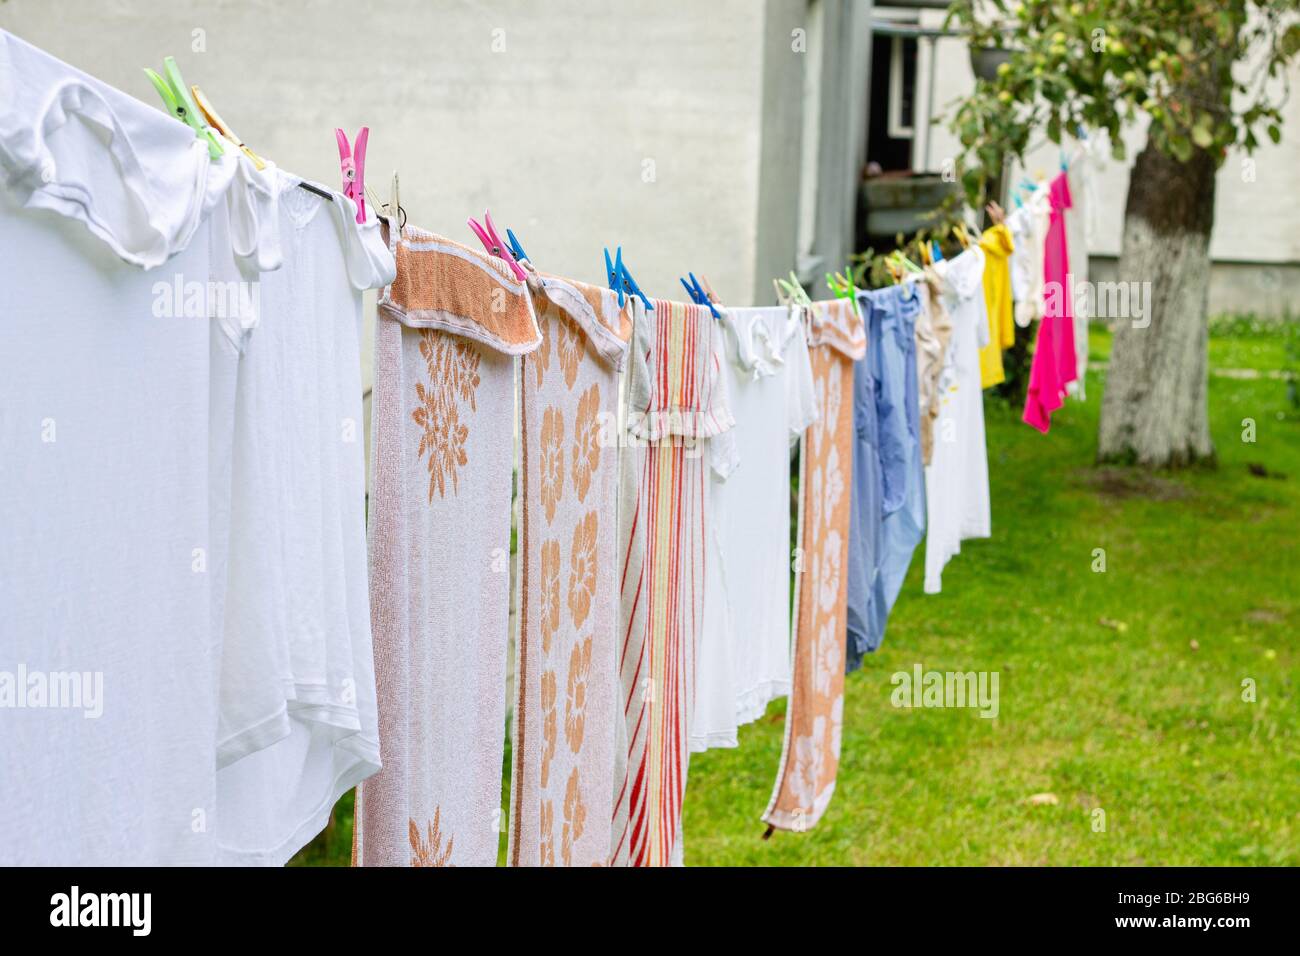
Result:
[
  {"x": 568, "y": 694},
  {"x": 933, "y": 335},
  {"x": 442, "y": 452},
  {"x": 810, "y": 754}
]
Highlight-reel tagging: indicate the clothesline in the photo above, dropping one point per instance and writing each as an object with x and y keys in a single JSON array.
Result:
[{"x": 268, "y": 643}]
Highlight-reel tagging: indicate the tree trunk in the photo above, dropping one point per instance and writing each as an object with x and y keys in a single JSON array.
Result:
[{"x": 1154, "y": 411}]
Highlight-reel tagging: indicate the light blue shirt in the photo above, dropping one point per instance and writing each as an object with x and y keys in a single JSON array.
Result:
[{"x": 887, "y": 513}]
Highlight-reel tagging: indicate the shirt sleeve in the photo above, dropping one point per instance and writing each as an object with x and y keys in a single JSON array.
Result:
[
  {"x": 801, "y": 398},
  {"x": 997, "y": 243}
]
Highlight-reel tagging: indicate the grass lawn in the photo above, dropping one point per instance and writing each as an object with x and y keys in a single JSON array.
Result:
[{"x": 1120, "y": 691}]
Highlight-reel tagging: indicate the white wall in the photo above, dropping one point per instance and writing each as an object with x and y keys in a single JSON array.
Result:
[{"x": 556, "y": 132}]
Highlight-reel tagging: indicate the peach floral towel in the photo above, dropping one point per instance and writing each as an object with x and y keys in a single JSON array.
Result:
[
  {"x": 810, "y": 756},
  {"x": 562, "y": 771},
  {"x": 442, "y": 451}
]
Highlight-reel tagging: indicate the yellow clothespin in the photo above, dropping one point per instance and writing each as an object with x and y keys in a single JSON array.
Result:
[
  {"x": 396, "y": 214},
  {"x": 221, "y": 126}
]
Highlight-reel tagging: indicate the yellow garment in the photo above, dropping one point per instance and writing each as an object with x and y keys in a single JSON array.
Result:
[{"x": 997, "y": 245}]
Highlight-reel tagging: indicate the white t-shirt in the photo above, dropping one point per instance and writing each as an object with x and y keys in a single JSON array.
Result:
[
  {"x": 108, "y": 574},
  {"x": 744, "y": 657},
  {"x": 140, "y": 181},
  {"x": 302, "y": 640},
  {"x": 1028, "y": 224},
  {"x": 256, "y": 679},
  {"x": 957, "y": 478}
]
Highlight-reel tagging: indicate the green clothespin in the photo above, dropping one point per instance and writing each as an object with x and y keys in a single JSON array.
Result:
[
  {"x": 793, "y": 289},
  {"x": 176, "y": 97},
  {"x": 841, "y": 286},
  {"x": 792, "y": 292}
]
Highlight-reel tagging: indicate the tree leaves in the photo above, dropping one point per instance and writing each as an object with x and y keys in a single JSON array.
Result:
[
  {"x": 1104, "y": 62},
  {"x": 1203, "y": 131},
  {"x": 1289, "y": 43}
]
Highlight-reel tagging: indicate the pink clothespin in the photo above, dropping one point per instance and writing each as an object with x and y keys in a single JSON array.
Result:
[
  {"x": 352, "y": 163},
  {"x": 495, "y": 245}
]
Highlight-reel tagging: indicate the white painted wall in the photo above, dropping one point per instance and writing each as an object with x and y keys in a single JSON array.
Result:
[{"x": 557, "y": 131}]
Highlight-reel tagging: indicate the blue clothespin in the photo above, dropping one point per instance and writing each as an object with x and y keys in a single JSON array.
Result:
[
  {"x": 699, "y": 296},
  {"x": 614, "y": 269},
  {"x": 935, "y": 252},
  {"x": 612, "y": 274},
  {"x": 516, "y": 248},
  {"x": 621, "y": 280},
  {"x": 631, "y": 285}
]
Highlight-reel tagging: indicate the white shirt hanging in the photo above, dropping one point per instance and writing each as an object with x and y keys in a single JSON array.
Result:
[
  {"x": 110, "y": 574},
  {"x": 744, "y": 657},
  {"x": 957, "y": 479}
]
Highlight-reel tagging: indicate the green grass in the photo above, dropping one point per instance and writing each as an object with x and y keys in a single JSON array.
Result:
[{"x": 1119, "y": 691}]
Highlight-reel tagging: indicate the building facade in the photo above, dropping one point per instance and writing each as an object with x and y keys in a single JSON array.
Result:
[{"x": 726, "y": 138}]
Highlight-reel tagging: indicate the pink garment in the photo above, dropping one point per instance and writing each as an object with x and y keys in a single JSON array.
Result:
[
  {"x": 1058, "y": 282},
  {"x": 1045, "y": 389},
  {"x": 1055, "y": 364}
]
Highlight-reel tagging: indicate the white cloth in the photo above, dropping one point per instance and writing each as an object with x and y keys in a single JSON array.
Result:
[
  {"x": 299, "y": 666},
  {"x": 137, "y": 179},
  {"x": 957, "y": 478},
  {"x": 1028, "y": 224},
  {"x": 744, "y": 657},
  {"x": 150, "y": 469},
  {"x": 249, "y": 593},
  {"x": 109, "y": 578}
]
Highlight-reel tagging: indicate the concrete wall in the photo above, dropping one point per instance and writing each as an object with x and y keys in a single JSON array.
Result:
[
  {"x": 786, "y": 62},
  {"x": 1268, "y": 289},
  {"x": 579, "y": 123}
]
